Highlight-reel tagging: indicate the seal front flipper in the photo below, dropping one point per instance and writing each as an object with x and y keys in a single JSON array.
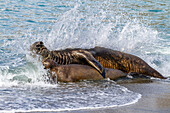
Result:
[
  {"x": 90, "y": 60},
  {"x": 94, "y": 63}
]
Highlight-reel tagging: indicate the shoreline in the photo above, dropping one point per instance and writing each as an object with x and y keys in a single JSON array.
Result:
[{"x": 155, "y": 99}]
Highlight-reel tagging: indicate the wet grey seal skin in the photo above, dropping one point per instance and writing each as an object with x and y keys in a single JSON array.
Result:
[
  {"x": 77, "y": 72},
  {"x": 122, "y": 61},
  {"x": 68, "y": 56}
]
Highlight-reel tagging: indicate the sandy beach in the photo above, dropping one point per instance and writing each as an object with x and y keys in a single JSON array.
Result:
[{"x": 155, "y": 98}]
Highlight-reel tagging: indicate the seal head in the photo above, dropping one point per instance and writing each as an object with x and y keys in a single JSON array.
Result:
[{"x": 49, "y": 64}]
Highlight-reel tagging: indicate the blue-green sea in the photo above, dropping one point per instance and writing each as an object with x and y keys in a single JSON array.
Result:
[{"x": 138, "y": 27}]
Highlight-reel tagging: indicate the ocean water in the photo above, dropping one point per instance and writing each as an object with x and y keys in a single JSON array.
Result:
[{"x": 138, "y": 27}]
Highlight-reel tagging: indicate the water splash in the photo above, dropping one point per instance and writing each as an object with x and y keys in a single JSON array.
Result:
[
  {"x": 85, "y": 27},
  {"x": 76, "y": 29}
]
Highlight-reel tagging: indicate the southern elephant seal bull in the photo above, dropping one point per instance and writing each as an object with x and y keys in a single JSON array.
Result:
[
  {"x": 125, "y": 62},
  {"x": 68, "y": 56},
  {"x": 77, "y": 72}
]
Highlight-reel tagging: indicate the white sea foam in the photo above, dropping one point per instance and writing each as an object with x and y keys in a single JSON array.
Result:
[
  {"x": 73, "y": 109},
  {"x": 75, "y": 96}
]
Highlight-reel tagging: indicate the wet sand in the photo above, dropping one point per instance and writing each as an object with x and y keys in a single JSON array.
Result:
[{"x": 155, "y": 99}]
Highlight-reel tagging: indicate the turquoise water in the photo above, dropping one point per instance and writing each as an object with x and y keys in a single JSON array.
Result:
[{"x": 139, "y": 27}]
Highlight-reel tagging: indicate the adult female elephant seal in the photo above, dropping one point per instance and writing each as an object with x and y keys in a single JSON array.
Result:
[
  {"x": 125, "y": 62},
  {"x": 77, "y": 72},
  {"x": 68, "y": 56}
]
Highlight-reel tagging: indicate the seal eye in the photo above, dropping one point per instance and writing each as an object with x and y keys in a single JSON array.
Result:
[
  {"x": 38, "y": 49},
  {"x": 38, "y": 45},
  {"x": 41, "y": 43}
]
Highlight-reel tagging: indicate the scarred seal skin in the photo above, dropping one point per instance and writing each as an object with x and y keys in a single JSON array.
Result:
[
  {"x": 77, "y": 72},
  {"x": 68, "y": 56},
  {"x": 122, "y": 61}
]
